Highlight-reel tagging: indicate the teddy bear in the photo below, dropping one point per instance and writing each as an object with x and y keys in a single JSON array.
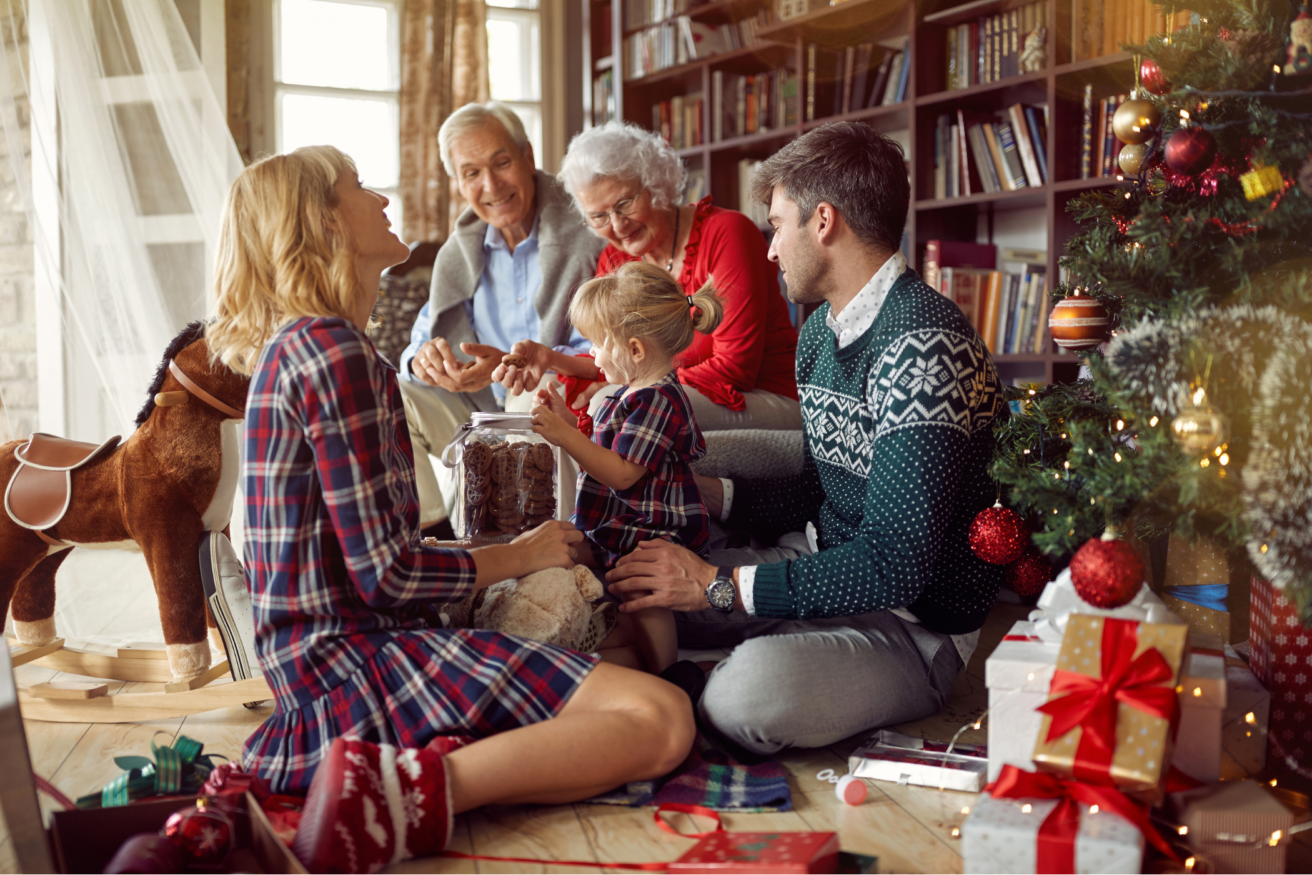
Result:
[{"x": 553, "y": 605}]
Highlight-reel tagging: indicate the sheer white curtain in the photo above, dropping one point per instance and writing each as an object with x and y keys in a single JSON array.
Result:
[{"x": 130, "y": 160}]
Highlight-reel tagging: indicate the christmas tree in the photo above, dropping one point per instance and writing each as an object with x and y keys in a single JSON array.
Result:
[{"x": 1195, "y": 416}]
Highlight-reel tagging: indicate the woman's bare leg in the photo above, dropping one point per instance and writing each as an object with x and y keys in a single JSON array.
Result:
[{"x": 619, "y": 726}]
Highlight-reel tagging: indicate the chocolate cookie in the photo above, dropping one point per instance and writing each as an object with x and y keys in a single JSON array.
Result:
[
  {"x": 540, "y": 457},
  {"x": 477, "y": 457},
  {"x": 514, "y": 360},
  {"x": 505, "y": 467}
]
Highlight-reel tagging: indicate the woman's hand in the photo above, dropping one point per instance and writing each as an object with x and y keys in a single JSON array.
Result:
[
  {"x": 518, "y": 380},
  {"x": 553, "y": 544}
]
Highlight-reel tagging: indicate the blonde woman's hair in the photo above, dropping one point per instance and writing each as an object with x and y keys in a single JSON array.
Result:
[
  {"x": 282, "y": 254},
  {"x": 643, "y": 301}
]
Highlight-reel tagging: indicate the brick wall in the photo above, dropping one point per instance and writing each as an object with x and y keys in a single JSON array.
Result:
[{"x": 18, "y": 395}]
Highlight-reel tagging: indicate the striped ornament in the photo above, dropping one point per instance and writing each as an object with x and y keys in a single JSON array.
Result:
[{"x": 1078, "y": 322}]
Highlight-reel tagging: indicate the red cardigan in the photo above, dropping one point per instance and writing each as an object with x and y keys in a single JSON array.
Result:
[{"x": 755, "y": 346}]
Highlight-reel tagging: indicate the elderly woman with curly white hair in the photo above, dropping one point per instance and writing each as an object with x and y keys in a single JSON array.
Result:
[{"x": 627, "y": 183}]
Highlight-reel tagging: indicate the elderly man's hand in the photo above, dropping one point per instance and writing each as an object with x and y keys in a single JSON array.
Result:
[
  {"x": 436, "y": 364},
  {"x": 518, "y": 380},
  {"x": 659, "y": 574}
]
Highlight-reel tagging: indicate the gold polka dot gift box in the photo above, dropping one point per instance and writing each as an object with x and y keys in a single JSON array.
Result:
[{"x": 1112, "y": 702}]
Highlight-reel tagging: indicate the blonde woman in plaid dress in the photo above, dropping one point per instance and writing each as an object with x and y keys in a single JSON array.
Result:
[{"x": 341, "y": 584}]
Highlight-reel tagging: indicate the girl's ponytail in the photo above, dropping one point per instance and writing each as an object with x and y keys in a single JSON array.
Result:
[{"x": 709, "y": 307}]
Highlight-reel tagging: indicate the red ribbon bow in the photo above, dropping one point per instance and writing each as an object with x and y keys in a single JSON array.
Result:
[
  {"x": 1093, "y": 702},
  {"x": 1056, "y": 842}
]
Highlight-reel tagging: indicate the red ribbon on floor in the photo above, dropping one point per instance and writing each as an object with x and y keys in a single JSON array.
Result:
[
  {"x": 1056, "y": 842},
  {"x": 1093, "y": 702}
]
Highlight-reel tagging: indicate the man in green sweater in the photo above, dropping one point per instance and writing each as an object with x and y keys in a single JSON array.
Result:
[{"x": 870, "y": 618}]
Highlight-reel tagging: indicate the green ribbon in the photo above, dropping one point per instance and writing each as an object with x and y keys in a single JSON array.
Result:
[{"x": 178, "y": 769}]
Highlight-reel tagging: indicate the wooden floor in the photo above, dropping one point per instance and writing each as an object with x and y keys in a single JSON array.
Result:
[{"x": 908, "y": 828}]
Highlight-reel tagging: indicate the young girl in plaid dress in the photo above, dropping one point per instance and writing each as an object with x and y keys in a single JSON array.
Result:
[
  {"x": 636, "y": 481},
  {"x": 392, "y": 724}
]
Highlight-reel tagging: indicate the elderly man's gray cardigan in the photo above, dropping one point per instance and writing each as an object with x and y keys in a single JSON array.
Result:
[{"x": 567, "y": 256}]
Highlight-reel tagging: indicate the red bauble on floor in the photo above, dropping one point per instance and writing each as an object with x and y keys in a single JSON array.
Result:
[
  {"x": 1029, "y": 574},
  {"x": 1107, "y": 573},
  {"x": 998, "y": 535}
]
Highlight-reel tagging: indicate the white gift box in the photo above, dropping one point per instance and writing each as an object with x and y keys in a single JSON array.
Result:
[
  {"x": 1019, "y": 672},
  {"x": 1059, "y": 600},
  {"x": 904, "y": 759},
  {"x": 999, "y": 836}
]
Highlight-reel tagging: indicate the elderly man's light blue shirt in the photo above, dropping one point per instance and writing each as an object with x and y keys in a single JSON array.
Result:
[{"x": 501, "y": 309}]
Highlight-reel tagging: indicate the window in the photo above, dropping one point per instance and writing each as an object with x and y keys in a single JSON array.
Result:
[
  {"x": 514, "y": 51},
  {"x": 336, "y": 78}
]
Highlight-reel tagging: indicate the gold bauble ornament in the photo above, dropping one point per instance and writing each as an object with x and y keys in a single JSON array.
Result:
[
  {"x": 1132, "y": 157},
  {"x": 1136, "y": 120},
  {"x": 1199, "y": 428}
]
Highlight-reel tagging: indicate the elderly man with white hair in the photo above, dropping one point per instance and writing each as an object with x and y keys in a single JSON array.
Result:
[{"x": 504, "y": 275}]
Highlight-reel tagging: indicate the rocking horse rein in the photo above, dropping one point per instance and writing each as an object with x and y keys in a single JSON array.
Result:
[{"x": 194, "y": 388}]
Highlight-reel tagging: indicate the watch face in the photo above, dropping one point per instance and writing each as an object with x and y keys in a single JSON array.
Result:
[{"x": 720, "y": 594}]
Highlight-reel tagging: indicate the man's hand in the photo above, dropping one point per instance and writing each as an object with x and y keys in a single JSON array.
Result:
[
  {"x": 436, "y": 364},
  {"x": 712, "y": 491},
  {"x": 659, "y": 574},
  {"x": 518, "y": 380}
]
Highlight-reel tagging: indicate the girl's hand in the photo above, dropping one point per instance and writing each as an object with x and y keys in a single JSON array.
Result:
[
  {"x": 550, "y": 545},
  {"x": 551, "y": 426},
  {"x": 551, "y": 399}
]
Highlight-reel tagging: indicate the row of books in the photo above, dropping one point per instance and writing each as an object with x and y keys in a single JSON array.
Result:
[
  {"x": 640, "y": 13},
  {"x": 1098, "y": 27},
  {"x": 603, "y": 98},
  {"x": 752, "y": 104},
  {"x": 996, "y": 47},
  {"x": 679, "y": 120},
  {"x": 976, "y": 152},
  {"x": 1008, "y": 307},
  {"x": 1099, "y": 146},
  {"x": 855, "y": 77},
  {"x": 683, "y": 40}
]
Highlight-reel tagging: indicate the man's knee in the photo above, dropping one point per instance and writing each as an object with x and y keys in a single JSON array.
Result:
[{"x": 747, "y": 698}]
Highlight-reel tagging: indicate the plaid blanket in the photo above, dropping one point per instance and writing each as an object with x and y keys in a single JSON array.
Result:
[{"x": 714, "y": 779}]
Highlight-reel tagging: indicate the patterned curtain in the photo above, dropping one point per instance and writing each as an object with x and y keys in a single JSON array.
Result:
[{"x": 443, "y": 67}]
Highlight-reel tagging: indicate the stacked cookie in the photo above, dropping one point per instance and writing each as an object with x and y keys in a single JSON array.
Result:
[{"x": 508, "y": 487}]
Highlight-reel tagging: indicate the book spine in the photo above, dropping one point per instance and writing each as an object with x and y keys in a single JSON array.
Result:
[
  {"x": 905, "y": 73},
  {"x": 998, "y": 165},
  {"x": 933, "y": 278},
  {"x": 1037, "y": 139},
  {"x": 1011, "y": 156},
  {"x": 1020, "y": 131},
  {"x": 849, "y": 62},
  {"x": 989, "y": 310},
  {"x": 964, "y": 163},
  {"x": 1041, "y": 322},
  {"x": 1109, "y": 138},
  {"x": 952, "y": 84}
]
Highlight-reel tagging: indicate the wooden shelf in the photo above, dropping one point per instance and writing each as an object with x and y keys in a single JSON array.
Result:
[
  {"x": 871, "y": 20},
  {"x": 1059, "y": 87}
]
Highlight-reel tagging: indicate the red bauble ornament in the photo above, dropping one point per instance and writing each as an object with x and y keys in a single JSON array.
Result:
[
  {"x": 201, "y": 833},
  {"x": 1029, "y": 574},
  {"x": 998, "y": 535},
  {"x": 1107, "y": 573},
  {"x": 1079, "y": 322},
  {"x": 1151, "y": 78},
  {"x": 1190, "y": 150}
]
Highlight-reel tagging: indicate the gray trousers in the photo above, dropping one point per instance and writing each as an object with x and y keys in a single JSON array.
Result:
[{"x": 809, "y": 683}]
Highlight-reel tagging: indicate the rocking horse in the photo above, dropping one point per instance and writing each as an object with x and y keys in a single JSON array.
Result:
[{"x": 165, "y": 490}]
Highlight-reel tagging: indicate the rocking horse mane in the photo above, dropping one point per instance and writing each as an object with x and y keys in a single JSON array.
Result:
[{"x": 192, "y": 333}]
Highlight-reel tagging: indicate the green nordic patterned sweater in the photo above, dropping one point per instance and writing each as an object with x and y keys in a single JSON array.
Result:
[{"x": 899, "y": 434}]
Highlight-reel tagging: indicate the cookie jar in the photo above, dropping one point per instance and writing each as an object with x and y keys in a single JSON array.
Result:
[{"x": 507, "y": 477}]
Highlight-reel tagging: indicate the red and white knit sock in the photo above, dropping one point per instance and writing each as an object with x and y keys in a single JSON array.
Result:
[{"x": 371, "y": 805}]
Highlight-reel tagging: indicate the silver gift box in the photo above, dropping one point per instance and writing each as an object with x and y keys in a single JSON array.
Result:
[{"x": 904, "y": 759}]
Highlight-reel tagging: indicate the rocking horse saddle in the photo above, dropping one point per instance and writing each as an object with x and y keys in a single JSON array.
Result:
[{"x": 39, "y": 491}]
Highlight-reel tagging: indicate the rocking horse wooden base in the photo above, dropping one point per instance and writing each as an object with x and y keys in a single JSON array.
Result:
[{"x": 88, "y": 702}]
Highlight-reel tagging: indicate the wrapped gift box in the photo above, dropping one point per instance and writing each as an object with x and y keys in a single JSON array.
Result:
[
  {"x": 1281, "y": 657},
  {"x": 1247, "y": 717},
  {"x": 1200, "y": 586},
  {"x": 761, "y": 852},
  {"x": 1019, "y": 673},
  {"x": 905, "y": 759},
  {"x": 1001, "y": 836},
  {"x": 1235, "y": 826}
]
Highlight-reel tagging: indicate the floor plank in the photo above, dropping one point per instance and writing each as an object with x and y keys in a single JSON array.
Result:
[
  {"x": 878, "y": 827},
  {"x": 543, "y": 833},
  {"x": 630, "y": 835}
]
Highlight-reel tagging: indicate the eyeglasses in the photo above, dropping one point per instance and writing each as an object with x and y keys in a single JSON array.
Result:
[{"x": 621, "y": 210}]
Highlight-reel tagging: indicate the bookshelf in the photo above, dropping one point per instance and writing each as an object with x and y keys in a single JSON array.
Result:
[{"x": 1059, "y": 85}]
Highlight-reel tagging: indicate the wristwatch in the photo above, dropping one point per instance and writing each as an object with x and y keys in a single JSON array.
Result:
[{"x": 721, "y": 593}]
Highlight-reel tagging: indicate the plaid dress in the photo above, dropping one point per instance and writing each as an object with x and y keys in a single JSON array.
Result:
[
  {"x": 653, "y": 427},
  {"x": 341, "y": 586}
]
